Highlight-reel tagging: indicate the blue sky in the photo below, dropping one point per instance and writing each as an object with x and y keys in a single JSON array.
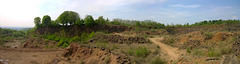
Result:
[{"x": 22, "y": 12}]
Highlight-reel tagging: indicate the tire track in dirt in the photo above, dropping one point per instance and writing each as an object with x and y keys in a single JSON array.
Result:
[{"x": 173, "y": 52}]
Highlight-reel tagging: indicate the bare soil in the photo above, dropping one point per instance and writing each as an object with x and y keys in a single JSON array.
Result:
[{"x": 172, "y": 52}]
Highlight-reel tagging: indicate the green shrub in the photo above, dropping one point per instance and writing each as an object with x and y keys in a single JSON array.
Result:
[
  {"x": 157, "y": 60},
  {"x": 169, "y": 40},
  {"x": 61, "y": 42},
  {"x": 189, "y": 50},
  {"x": 57, "y": 38},
  {"x": 138, "y": 52},
  {"x": 208, "y": 36},
  {"x": 142, "y": 52},
  {"x": 130, "y": 52}
]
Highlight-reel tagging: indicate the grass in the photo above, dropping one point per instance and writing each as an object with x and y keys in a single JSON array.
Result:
[
  {"x": 101, "y": 45},
  {"x": 208, "y": 35},
  {"x": 189, "y": 50},
  {"x": 168, "y": 39},
  {"x": 158, "y": 60},
  {"x": 138, "y": 52}
]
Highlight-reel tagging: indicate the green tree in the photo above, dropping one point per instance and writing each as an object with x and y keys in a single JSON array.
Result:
[
  {"x": 89, "y": 21},
  {"x": 68, "y": 17},
  {"x": 101, "y": 20},
  {"x": 46, "y": 21},
  {"x": 37, "y": 21},
  {"x": 79, "y": 22},
  {"x": 54, "y": 23}
]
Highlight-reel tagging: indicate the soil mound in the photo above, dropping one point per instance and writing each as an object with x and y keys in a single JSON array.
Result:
[
  {"x": 93, "y": 55},
  {"x": 221, "y": 36},
  {"x": 121, "y": 39},
  {"x": 192, "y": 39}
]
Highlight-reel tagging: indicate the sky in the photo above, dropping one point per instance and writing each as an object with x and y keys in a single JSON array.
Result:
[{"x": 21, "y": 13}]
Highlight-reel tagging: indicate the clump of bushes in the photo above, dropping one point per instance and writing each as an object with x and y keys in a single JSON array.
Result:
[
  {"x": 66, "y": 41},
  {"x": 158, "y": 60},
  {"x": 139, "y": 52},
  {"x": 208, "y": 36},
  {"x": 169, "y": 40}
]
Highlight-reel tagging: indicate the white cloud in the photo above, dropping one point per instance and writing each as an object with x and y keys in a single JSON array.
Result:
[
  {"x": 185, "y": 6},
  {"x": 235, "y": 17}
]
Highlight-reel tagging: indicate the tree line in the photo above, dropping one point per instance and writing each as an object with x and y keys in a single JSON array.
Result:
[{"x": 69, "y": 18}]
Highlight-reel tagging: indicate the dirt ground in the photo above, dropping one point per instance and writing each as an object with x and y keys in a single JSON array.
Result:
[
  {"x": 172, "y": 52},
  {"x": 28, "y": 56}
]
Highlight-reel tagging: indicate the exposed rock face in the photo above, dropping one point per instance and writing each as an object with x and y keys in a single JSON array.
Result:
[
  {"x": 121, "y": 39},
  {"x": 72, "y": 31}
]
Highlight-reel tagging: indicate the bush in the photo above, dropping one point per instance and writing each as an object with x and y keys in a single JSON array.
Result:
[
  {"x": 169, "y": 40},
  {"x": 208, "y": 36},
  {"x": 189, "y": 50},
  {"x": 157, "y": 60},
  {"x": 142, "y": 52},
  {"x": 139, "y": 52}
]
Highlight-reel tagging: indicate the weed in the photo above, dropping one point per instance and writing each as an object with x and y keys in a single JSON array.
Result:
[
  {"x": 138, "y": 52},
  {"x": 189, "y": 50},
  {"x": 158, "y": 46},
  {"x": 169, "y": 40},
  {"x": 208, "y": 36}
]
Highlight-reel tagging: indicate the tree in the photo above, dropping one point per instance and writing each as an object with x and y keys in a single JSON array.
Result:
[
  {"x": 68, "y": 17},
  {"x": 89, "y": 21},
  {"x": 46, "y": 21},
  {"x": 101, "y": 20},
  {"x": 79, "y": 22},
  {"x": 37, "y": 21}
]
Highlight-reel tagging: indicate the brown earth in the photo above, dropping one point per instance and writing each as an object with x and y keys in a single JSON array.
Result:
[
  {"x": 28, "y": 56},
  {"x": 93, "y": 55},
  {"x": 74, "y": 54},
  {"x": 172, "y": 52},
  {"x": 221, "y": 36},
  {"x": 192, "y": 36}
]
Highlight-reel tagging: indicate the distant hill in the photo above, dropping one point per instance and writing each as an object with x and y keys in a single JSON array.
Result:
[{"x": 15, "y": 28}]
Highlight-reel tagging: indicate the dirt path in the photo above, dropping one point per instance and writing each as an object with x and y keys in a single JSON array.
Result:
[{"x": 173, "y": 52}]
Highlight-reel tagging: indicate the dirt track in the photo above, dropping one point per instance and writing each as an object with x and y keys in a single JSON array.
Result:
[{"x": 174, "y": 53}]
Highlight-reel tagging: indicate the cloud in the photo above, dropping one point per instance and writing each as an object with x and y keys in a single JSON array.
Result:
[
  {"x": 185, "y": 6},
  {"x": 235, "y": 17}
]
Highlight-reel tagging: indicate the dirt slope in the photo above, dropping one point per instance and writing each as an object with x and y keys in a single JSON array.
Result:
[{"x": 172, "y": 52}]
